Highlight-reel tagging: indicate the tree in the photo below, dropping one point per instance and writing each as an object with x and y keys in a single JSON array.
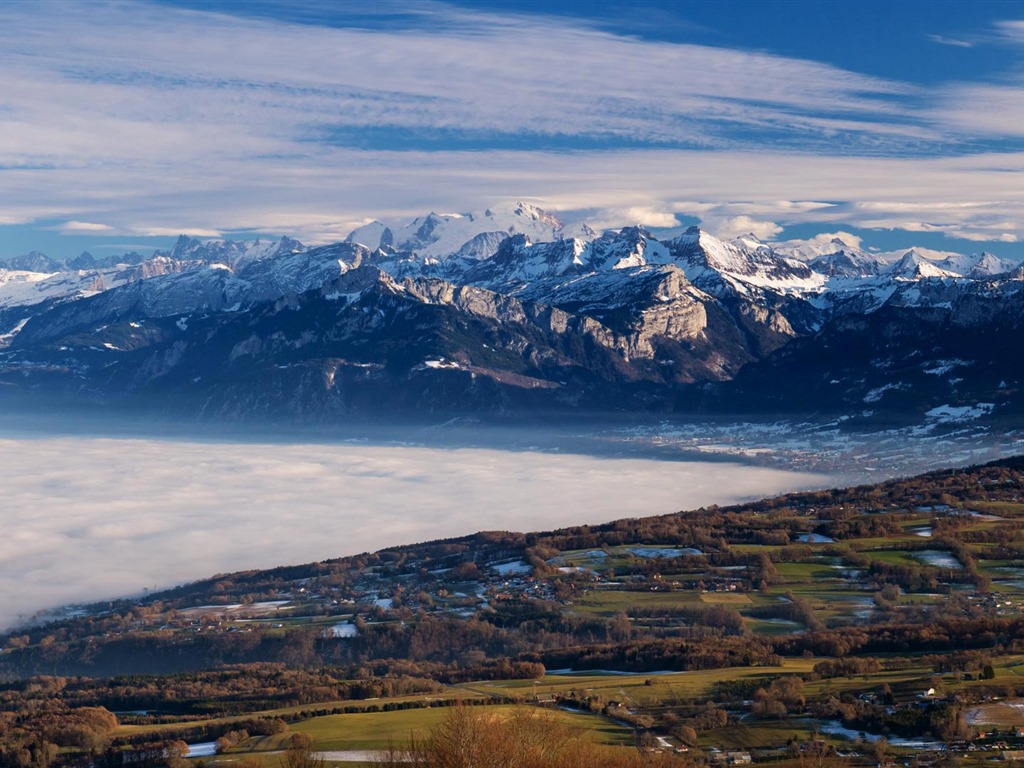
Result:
[
  {"x": 300, "y": 754},
  {"x": 686, "y": 734},
  {"x": 176, "y": 753},
  {"x": 528, "y": 738}
]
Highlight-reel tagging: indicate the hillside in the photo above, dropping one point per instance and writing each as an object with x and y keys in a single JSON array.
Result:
[{"x": 892, "y": 609}]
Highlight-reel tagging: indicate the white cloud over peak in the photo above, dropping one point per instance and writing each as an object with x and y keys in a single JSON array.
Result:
[
  {"x": 826, "y": 238},
  {"x": 741, "y": 225},
  {"x": 615, "y": 218}
]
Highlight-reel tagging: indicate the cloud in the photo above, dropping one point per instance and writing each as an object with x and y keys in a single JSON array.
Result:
[
  {"x": 192, "y": 127},
  {"x": 741, "y": 225},
  {"x": 100, "y": 517},
  {"x": 950, "y": 41},
  {"x": 826, "y": 238},
  {"x": 174, "y": 231},
  {"x": 645, "y": 216},
  {"x": 192, "y": 117},
  {"x": 470, "y": 73},
  {"x": 1011, "y": 30},
  {"x": 78, "y": 227},
  {"x": 994, "y": 110},
  {"x": 983, "y": 237},
  {"x": 320, "y": 204}
]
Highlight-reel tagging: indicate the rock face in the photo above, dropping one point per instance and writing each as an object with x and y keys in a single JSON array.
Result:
[{"x": 509, "y": 311}]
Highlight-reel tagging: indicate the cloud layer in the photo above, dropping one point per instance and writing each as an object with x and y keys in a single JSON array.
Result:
[
  {"x": 92, "y": 518},
  {"x": 134, "y": 118}
]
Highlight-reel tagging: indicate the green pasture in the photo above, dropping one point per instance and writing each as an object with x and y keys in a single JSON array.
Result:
[
  {"x": 378, "y": 730},
  {"x": 609, "y": 602},
  {"x": 675, "y": 686}
]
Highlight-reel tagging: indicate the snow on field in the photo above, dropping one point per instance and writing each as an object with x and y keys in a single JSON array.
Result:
[
  {"x": 835, "y": 728},
  {"x": 344, "y": 630},
  {"x": 652, "y": 552},
  {"x": 352, "y": 756},
  {"x": 814, "y": 538},
  {"x": 937, "y": 559},
  {"x": 516, "y": 567}
]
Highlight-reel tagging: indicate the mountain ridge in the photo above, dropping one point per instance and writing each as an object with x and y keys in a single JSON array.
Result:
[{"x": 469, "y": 318}]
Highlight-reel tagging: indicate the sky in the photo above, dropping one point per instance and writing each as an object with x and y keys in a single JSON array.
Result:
[
  {"x": 222, "y": 507},
  {"x": 123, "y": 124}
]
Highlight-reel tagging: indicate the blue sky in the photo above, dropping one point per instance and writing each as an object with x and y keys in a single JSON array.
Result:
[{"x": 123, "y": 124}]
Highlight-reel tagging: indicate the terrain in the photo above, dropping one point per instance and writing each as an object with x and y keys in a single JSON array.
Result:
[
  {"x": 855, "y": 625},
  {"x": 510, "y": 314}
]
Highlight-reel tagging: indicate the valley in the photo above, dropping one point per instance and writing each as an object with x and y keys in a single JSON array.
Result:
[{"x": 862, "y": 624}]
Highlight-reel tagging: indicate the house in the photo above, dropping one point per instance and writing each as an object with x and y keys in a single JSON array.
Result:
[{"x": 731, "y": 758}]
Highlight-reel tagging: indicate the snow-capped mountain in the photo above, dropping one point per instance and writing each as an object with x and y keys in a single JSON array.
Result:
[
  {"x": 501, "y": 310},
  {"x": 849, "y": 263},
  {"x": 473, "y": 235},
  {"x": 914, "y": 266},
  {"x": 976, "y": 265}
]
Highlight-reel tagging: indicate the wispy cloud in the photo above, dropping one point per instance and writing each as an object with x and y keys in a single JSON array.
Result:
[
  {"x": 150, "y": 120},
  {"x": 69, "y": 227},
  {"x": 100, "y": 518},
  {"x": 955, "y": 42},
  {"x": 181, "y": 99},
  {"x": 1011, "y": 30}
]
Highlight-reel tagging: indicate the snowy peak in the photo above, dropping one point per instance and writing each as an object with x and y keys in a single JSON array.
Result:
[
  {"x": 578, "y": 230},
  {"x": 914, "y": 266},
  {"x": 714, "y": 265},
  {"x": 808, "y": 250},
  {"x": 848, "y": 263},
  {"x": 630, "y": 247},
  {"x": 472, "y": 235},
  {"x": 373, "y": 235},
  {"x": 518, "y": 262},
  {"x": 976, "y": 265},
  {"x": 34, "y": 261},
  {"x": 230, "y": 253}
]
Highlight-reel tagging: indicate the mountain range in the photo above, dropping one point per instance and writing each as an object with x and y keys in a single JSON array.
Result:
[{"x": 510, "y": 311}]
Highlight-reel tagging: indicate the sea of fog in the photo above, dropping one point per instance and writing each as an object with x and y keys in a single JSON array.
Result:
[{"x": 87, "y": 518}]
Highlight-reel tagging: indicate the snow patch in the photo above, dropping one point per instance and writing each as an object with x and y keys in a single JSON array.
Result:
[{"x": 515, "y": 567}]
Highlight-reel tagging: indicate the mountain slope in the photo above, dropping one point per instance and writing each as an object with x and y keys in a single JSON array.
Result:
[{"x": 504, "y": 310}]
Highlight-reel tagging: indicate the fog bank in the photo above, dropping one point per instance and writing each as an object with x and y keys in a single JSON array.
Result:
[{"x": 88, "y": 518}]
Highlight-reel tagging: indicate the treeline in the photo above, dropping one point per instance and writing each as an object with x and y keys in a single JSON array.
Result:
[
  {"x": 34, "y": 739},
  {"x": 655, "y": 655},
  {"x": 229, "y": 691},
  {"x": 149, "y": 700}
]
